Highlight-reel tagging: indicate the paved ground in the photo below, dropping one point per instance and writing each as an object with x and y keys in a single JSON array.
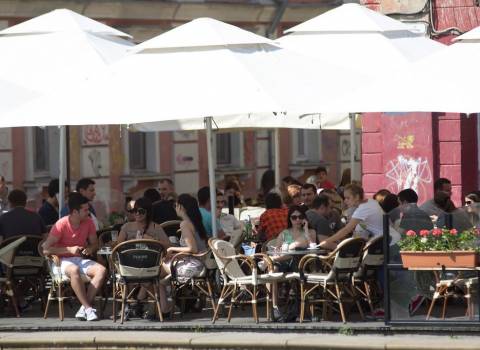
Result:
[{"x": 195, "y": 330}]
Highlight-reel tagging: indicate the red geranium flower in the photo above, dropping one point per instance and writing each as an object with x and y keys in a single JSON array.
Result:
[
  {"x": 437, "y": 232},
  {"x": 411, "y": 233},
  {"x": 453, "y": 232},
  {"x": 424, "y": 233}
]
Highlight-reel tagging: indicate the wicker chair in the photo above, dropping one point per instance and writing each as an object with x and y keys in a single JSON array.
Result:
[
  {"x": 7, "y": 255},
  {"x": 236, "y": 281},
  {"x": 335, "y": 279},
  {"x": 136, "y": 262},
  {"x": 365, "y": 279}
]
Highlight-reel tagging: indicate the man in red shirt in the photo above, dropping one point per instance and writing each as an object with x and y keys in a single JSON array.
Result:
[
  {"x": 274, "y": 220},
  {"x": 71, "y": 238},
  {"x": 322, "y": 180}
]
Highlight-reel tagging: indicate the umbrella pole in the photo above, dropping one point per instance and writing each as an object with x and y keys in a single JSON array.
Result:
[
  {"x": 62, "y": 175},
  {"x": 211, "y": 174},
  {"x": 276, "y": 138},
  {"x": 352, "y": 146}
]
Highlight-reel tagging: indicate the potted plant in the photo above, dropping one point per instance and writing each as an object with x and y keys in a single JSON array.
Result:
[{"x": 439, "y": 247}]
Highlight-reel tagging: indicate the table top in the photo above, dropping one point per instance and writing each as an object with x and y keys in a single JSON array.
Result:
[{"x": 316, "y": 251}]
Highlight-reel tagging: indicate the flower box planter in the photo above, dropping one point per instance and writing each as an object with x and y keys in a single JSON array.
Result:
[{"x": 435, "y": 259}]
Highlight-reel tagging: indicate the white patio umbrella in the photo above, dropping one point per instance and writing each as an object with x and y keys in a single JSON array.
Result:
[
  {"x": 204, "y": 68},
  {"x": 442, "y": 82},
  {"x": 363, "y": 40},
  {"x": 53, "y": 52}
]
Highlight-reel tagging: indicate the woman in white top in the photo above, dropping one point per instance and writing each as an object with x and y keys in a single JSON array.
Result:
[{"x": 366, "y": 221}]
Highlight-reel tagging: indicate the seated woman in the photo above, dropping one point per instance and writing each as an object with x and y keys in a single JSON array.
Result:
[
  {"x": 296, "y": 235},
  {"x": 366, "y": 221},
  {"x": 144, "y": 228},
  {"x": 193, "y": 237}
]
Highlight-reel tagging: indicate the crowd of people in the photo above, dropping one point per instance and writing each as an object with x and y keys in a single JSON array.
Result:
[{"x": 297, "y": 214}]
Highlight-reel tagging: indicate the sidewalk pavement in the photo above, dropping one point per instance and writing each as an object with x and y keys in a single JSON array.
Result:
[{"x": 231, "y": 340}]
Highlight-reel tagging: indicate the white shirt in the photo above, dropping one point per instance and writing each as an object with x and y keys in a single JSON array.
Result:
[{"x": 371, "y": 215}]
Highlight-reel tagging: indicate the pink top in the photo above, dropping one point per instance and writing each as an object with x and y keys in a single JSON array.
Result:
[{"x": 70, "y": 236}]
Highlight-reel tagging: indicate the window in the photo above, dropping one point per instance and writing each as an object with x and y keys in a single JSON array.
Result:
[
  {"x": 229, "y": 149},
  {"x": 301, "y": 144},
  {"x": 137, "y": 150},
  {"x": 224, "y": 149},
  {"x": 307, "y": 145},
  {"x": 40, "y": 150}
]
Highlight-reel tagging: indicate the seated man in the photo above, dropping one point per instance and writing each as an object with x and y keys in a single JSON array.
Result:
[
  {"x": 318, "y": 217},
  {"x": 20, "y": 221},
  {"x": 71, "y": 238}
]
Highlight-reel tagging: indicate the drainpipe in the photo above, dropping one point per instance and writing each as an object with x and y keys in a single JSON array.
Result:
[{"x": 281, "y": 7}]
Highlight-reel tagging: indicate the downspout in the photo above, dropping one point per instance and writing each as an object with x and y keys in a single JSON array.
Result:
[{"x": 281, "y": 7}]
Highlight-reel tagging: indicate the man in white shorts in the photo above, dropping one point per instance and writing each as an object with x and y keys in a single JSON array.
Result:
[{"x": 71, "y": 238}]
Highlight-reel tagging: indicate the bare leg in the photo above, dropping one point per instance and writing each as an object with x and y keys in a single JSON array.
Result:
[
  {"x": 97, "y": 274},
  {"x": 73, "y": 272}
]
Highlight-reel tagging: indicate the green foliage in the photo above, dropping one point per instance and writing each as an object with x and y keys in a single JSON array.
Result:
[
  {"x": 345, "y": 330},
  {"x": 440, "y": 240}
]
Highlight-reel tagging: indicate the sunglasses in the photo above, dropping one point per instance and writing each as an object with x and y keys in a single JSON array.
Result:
[
  {"x": 139, "y": 211},
  {"x": 468, "y": 202},
  {"x": 297, "y": 217}
]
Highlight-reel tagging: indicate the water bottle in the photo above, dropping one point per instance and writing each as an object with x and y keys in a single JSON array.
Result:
[{"x": 139, "y": 235}]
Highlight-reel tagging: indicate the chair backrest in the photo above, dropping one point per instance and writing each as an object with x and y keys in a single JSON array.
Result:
[
  {"x": 237, "y": 237},
  {"x": 106, "y": 237},
  {"x": 138, "y": 259},
  {"x": 347, "y": 258},
  {"x": 27, "y": 259},
  {"x": 228, "y": 267},
  {"x": 270, "y": 244},
  {"x": 7, "y": 251},
  {"x": 373, "y": 252},
  {"x": 171, "y": 227}
]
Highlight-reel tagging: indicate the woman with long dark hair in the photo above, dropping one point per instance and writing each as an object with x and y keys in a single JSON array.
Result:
[{"x": 194, "y": 237}]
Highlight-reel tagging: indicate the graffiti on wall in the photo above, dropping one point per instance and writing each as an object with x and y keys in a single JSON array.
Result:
[
  {"x": 409, "y": 172},
  {"x": 94, "y": 135}
]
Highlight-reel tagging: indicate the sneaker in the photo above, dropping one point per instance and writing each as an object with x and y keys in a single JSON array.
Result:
[
  {"x": 91, "y": 314},
  {"x": 415, "y": 304},
  {"x": 81, "y": 315}
]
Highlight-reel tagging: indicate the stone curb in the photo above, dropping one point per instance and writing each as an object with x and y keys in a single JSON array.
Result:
[{"x": 180, "y": 340}]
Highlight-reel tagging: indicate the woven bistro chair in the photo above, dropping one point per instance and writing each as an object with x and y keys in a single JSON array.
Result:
[
  {"x": 236, "y": 282},
  {"x": 365, "y": 279},
  {"x": 193, "y": 287},
  {"x": 60, "y": 288},
  {"x": 7, "y": 256},
  {"x": 335, "y": 280},
  {"x": 136, "y": 263},
  {"x": 29, "y": 270}
]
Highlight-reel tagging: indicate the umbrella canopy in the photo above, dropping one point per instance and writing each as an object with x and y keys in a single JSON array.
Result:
[
  {"x": 419, "y": 88},
  {"x": 358, "y": 38},
  {"x": 57, "y": 50},
  {"x": 227, "y": 72}
]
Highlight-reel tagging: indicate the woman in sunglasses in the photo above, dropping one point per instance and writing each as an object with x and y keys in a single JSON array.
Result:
[
  {"x": 143, "y": 227},
  {"x": 296, "y": 235}
]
